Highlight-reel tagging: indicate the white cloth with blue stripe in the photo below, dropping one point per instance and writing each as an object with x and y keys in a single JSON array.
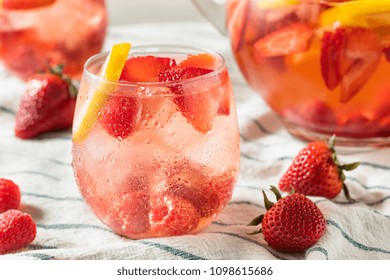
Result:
[{"x": 68, "y": 230}]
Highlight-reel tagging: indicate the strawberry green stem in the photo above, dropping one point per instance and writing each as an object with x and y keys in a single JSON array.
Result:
[
  {"x": 256, "y": 221},
  {"x": 341, "y": 167},
  {"x": 267, "y": 203},
  {"x": 59, "y": 71},
  {"x": 276, "y": 192}
]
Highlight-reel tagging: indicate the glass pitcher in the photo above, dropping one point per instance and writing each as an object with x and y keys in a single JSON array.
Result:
[
  {"x": 36, "y": 34},
  {"x": 321, "y": 65}
]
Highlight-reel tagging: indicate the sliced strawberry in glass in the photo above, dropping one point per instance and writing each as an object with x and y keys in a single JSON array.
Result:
[
  {"x": 349, "y": 56},
  {"x": 128, "y": 214},
  {"x": 331, "y": 51},
  {"x": 314, "y": 114},
  {"x": 237, "y": 14},
  {"x": 119, "y": 115},
  {"x": 226, "y": 88},
  {"x": 382, "y": 109},
  {"x": 199, "y": 108},
  {"x": 25, "y": 4},
  {"x": 202, "y": 60},
  {"x": 145, "y": 68},
  {"x": 309, "y": 12},
  {"x": 172, "y": 215},
  {"x": 207, "y": 61},
  {"x": 386, "y": 51},
  {"x": 360, "y": 60},
  {"x": 358, "y": 124},
  {"x": 207, "y": 193},
  {"x": 287, "y": 40}
]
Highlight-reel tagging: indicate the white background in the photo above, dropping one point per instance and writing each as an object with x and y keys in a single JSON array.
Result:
[{"x": 137, "y": 11}]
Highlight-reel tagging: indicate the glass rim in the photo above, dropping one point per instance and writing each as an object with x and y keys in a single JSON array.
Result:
[{"x": 149, "y": 50}]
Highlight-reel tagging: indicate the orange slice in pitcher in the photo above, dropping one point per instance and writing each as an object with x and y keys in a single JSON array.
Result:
[
  {"x": 24, "y": 4},
  {"x": 111, "y": 71},
  {"x": 270, "y": 4},
  {"x": 362, "y": 13}
]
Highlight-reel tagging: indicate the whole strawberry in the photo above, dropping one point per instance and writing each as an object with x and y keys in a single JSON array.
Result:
[
  {"x": 48, "y": 104},
  {"x": 293, "y": 224},
  {"x": 119, "y": 115},
  {"x": 17, "y": 229},
  {"x": 316, "y": 171},
  {"x": 9, "y": 195}
]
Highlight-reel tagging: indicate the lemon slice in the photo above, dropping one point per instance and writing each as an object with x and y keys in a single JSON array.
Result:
[
  {"x": 361, "y": 13},
  {"x": 269, "y": 4},
  {"x": 111, "y": 71}
]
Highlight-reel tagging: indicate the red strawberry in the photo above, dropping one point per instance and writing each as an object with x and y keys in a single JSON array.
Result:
[
  {"x": 317, "y": 113},
  {"x": 291, "y": 39},
  {"x": 202, "y": 60},
  {"x": 171, "y": 216},
  {"x": 180, "y": 74},
  {"x": 208, "y": 194},
  {"x": 119, "y": 115},
  {"x": 9, "y": 195},
  {"x": 145, "y": 68},
  {"x": 226, "y": 87},
  {"x": 17, "y": 230},
  {"x": 387, "y": 53},
  {"x": 316, "y": 171},
  {"x": 48, "y": 104},
  {"x": 349, "y": 56},
  {"x": 293, "y": 224},
  {"x": 314, "y": 114},
  {"x": 237, "y": 15},
  {"x": 129, "y": 215},
  {"x": 309, "y": 12},
  {"x": 357, "y": 124},
  {"x": 24, "y": 4},
  {"x": 199, "y": 108},
  {"x": 332, "y": 43},
  {"x": 261, "y": 22}
]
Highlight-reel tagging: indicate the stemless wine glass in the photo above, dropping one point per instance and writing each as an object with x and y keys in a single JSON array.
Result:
[
  {"x": 162, "y": 158},
  {"x": 41, "y": 33}
]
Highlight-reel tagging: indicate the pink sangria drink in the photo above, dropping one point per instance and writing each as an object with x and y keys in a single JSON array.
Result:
[
  {"x": 156, "y": 145},
  {"x": 35, "y": 34},
  {"x": 323, "y": 66}
]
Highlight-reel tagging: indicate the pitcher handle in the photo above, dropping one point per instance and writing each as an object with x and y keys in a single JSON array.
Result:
[{"x": 214, "y": 12}]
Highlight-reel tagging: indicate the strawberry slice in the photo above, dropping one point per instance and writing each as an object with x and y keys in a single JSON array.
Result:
[
  {"x": 387, "y": 53},
  {"x": 199, "y": 108},
  {"x": 128, "y": 214},
  {"x": 25, "y": 4},
  {"x": 349, "y": 56},
  {"x": 208, "y": 61},
  {"x": 315, "y": 114},
  {"x": 237, "y": 15},
  {"x": 358, "y": 124},
  {"x": 208, "y": 194},
  {"x": 119, "y": 115},
  {"x": 332, "y": 43},
  {"x": 171, "y": 216},
  {"x": 309, "y": 12},
  {"x": 145, "y": 68},
  {"x": 202, "y": 60},
  {"x": 225, "y": 86},
  {"x": 287, "y": 40}
]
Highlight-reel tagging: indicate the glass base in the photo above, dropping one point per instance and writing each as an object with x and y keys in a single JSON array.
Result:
[{"x": 345, "y": 144}]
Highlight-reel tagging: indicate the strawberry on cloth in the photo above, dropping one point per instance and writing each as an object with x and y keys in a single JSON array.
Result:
[
  {"x": 317, "y": 171},
  {"x": 292, "y": 224},
  {"x": 48, "y": 104}
]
